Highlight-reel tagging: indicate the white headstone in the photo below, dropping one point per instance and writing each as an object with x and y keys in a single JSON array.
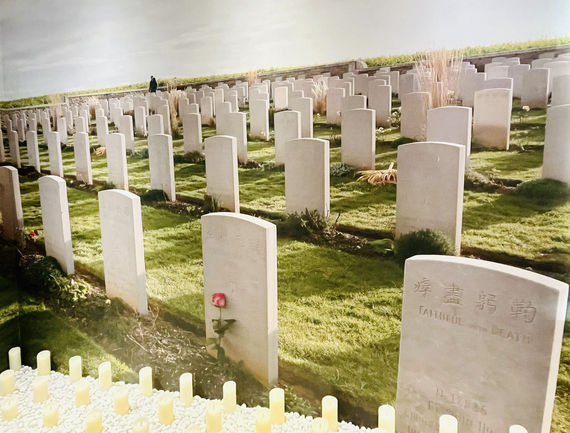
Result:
[
  {"x": 11, "y": 204},
  {"x": 207, "y": 110},
  {"x": 358, "y": 132},
  {"x": 287, "y": 127},
  {"x": 408, "y": 83},
  {"x": 140, "y": 121},
  {"x": 15, "y": 157},
  {"x": 517, "y": 73},
  {"x": 161, "y": 164},
  {"x": 117, "y": 161},
  {"x": 334, "y": 105},
  {"x": 560, "y": 90},
  {"x": 192, "y": 128},
  {"x": 82, "y": 153},
  {"x": 361, "y": 84},
  {"x": 123, "y": 249},
  {"x": 413, "y": 121},
  {"x": 80, "y": 125},
  {"x": 352, "y": 103},
  {"x": 281, "y": 98},
  {"x": 33, "y": 150},
  {"x": 305, "y": 107},
  {"x": 500, "y": 71},
  {"x": 380, "y": 100},
  {"x": 425, "y": 200},
  {"x": 492, "y": 117},
  {"x": 56, "y": 225},
  {"x": 222, "y": 170},
  {"x": 469, "y": 84},
  {"x": 557, "y": 68},
  {"x": 556, "y": 159},
  {"x": 499, "y": 83},
  {"x": 234, "y": 125},
  {"x": 451, "y": 124},
  {"x": 240, "y": 260},
  {"x": 307, "y": 176},
  {"x": 54, "y": 152},
  {"x": 480, "y": 341},
  {"x": 164, "y": 111},
  {"x": 536, "y": 88},
  {"x": 62, "y": 129},
  {"x": 155, "y": 124},
  {"x": 259, "y": 119}
]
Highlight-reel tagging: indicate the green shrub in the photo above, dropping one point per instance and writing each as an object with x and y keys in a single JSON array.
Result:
[
  {"x": 544, "y": 192},
  {"x": 190, "y": 158},
  {"x": 271, "y": 166},
  {"x": 250, "y": 164},
  {"x": 211, "y": 204},
  {"x": 340, "y": 169},
  {"x": 142, "y": 154},
  {"x": 384, "y": 247},
  {"x": 307, "y": 224},
  {"x": 402, "y": 140},
  {"x": 422, "y": 242},
  {"x": 154, "y": 195},
  {"x": 108, "y": 185}
]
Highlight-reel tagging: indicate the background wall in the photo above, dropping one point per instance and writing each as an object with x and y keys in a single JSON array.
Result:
[{"x": 53, "y": 46}]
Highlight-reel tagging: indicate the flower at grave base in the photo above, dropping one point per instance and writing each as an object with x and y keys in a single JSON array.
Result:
[
  {"x": 526, "y": 108},
  {"x": 219, "y": 300},
  {"x": 34, "y": 233}
]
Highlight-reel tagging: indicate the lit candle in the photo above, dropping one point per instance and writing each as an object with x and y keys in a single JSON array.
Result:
[
  {"x": 9, "y": 408},
  {"x": 263, "y": 420},
  {"x": 277, "y": 406},
  {"x": 44, "y": 363},
  {"x": 7, "y": 383},
  {"x": 122, "y": 401},
  {"x": 229, "y": 397},
  {"x": 166, "y": 409},
  {"x": 50, "y": 414},
  {"x": 75, "y": 369},
  {"x": 330, "y": 412},
  {"x": 141, "y": 425},
  {"x": 105, "y": 376},
  {"x": 186, "y": 391},
  {"x": 387, "y": 418},
  {"x": 15, "y": 357},
  {"x": 145, "y": 381},
  {"x": 94, "y": 421},
  {"x": 517, "y": 429},
  {"x": 320, "y": 425},
  {"x": 447, "y": 424},
  {"x": 213, "y": 417},
  {"x": 82, "y": 393},
  {"x": 40, "y": 389}
]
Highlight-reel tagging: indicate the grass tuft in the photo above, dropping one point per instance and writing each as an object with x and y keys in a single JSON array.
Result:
[
  {"x": 544, "y": 192},
  {"x": 422, "y": 242}
]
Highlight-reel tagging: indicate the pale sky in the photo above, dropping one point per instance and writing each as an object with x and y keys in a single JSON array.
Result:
[{"x": 51, "y": 46}]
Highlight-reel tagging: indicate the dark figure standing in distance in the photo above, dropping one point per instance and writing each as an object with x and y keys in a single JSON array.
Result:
[{"x": 153, "y": 85}]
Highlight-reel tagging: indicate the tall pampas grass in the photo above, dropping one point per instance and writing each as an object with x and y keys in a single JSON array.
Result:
[
  {"x": 55, "y": 106},
  {"x": 321, "y": 99},
  {"x": 438, "y": 73},
  {"x": 174, "y": 97},
  {"x": 251, "y": 77},
  {"x": 92, "y": 102}
]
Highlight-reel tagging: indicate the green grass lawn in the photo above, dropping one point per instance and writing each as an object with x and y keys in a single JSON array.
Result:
[{"x": 349, "y": 305}]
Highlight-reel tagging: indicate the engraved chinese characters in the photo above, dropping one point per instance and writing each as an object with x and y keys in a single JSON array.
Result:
[
  {"x": 240, "y": 260},
  {"x": 480, "y": 341}
]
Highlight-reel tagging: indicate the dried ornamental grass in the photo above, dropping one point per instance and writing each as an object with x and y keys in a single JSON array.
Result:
[
  {"x": 100, "y": 151},
  {"x": 174, "y": 97},
  {"x": 321, "y": 99},
  {"x": 55, "y": 105},
  {"x": 380, "y": 177},
  {"x": 438, "y": 74},
  {"x": 251, "y": 77},
  {"x": 92, "y": 102}
]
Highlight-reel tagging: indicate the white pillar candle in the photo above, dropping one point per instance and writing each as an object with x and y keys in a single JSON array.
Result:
[
  {"x": 229, "y": 397},
  {"x": 277, "y": 406},
  {"x": 517, "y": 429},
  {"x": 7, "y": 383},
  {"x": 9, "y": 408},
  {"x": 141, "y": 425},
  {"x": 94, "y": 421},
  {"x": 75, "y": 369},
  {"x": 166, "y": 409},
  {"x": 105, "y": 376},
  {"x": 263, "y": 420},
  {"x": 50, "y": 414},
  {"x": 213, "y": 417},
  {"x": 186, "y": 390},
  {"x": 320, "y": 425},
  {"x": 145, "y": 381},
  {"x": 330, "y": 411},
  {"x": 44, "y": 363},
  {"x": 40, "y": 389},
  {"x": 15, "y": 358},
  {"x": 387, "y": 418},
  {"x": 447, "y": 424},
  {"x": 82, "y": 393},
  {"x": 121, "y": 398}
]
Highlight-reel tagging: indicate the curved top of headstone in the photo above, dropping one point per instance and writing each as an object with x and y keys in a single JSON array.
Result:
[
  {"x": 497, "y": 91},
  {"x": 231, "y": 216},
  {"x": 422, "y": 145},
  {"x": 455, "y": 108},
  {"x": 288, "y": 113},
  {"x": 53, "y": 180},
  {"x": 118, "y": 194},
  {"x": 308, "y": 141},
  {"x": 7, "y": 168},
  {"x": 220, "y": 138}
]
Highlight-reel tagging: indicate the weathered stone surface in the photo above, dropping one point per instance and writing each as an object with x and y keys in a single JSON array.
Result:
[
  {"x": 240, "y": 260},
  {"x": 492, "y": 117},
  {"x": 287, "y": 127},
  {"x": 82, "y": 153},
  {"x": 480, "y": 341},
  {"x": 117, "y": 161},
  {"x": 192, "y": 129},
  {"x": 161, "y": 164},
  {"x": 413, "y": 121},
  {"x": 222, "y": 170},
  {"x": 54, "y": 151},
  {"x": 536, "y": 88},
  {"x": 234, "y": 125},
  {"x": 358, "y": 132},
  {"x": 305, "y": 107},
  {"x": 556, "y": 159},
  {"x": 11, "y": 204},
  {"x": 33, "y": 150},
  {"x": 451, "y": 125}
]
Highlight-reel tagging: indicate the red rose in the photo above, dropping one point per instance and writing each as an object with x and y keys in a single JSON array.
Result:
[
  {"x": 219, "y": 300},
  {"x": 36, "y": 233}
]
